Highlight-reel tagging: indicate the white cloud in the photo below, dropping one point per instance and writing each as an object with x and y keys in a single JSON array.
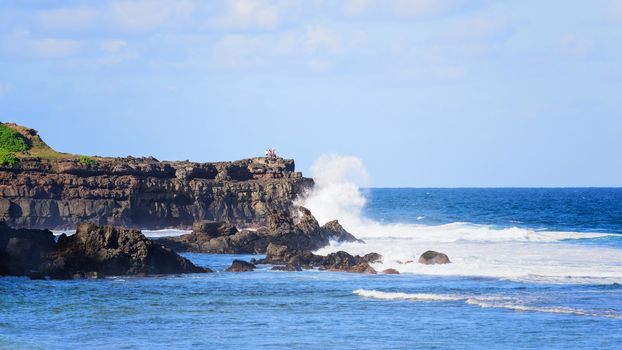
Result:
[
  {"x": 150, "y": 14},
  {"x": 314, "y": 46},
  {"x": 614, "y": 12},
  {"x": 321, "y": 38},
  {"x": 483, "y": 28},
  {"x": 69, "y": 18},
  {"x": 112, "y": 45},
  {"x": 408, "y": 9},
  {"x": 21, "y": 43},
  {"x": 5, "y": 89},
  {"x": 249, "y": 14}
]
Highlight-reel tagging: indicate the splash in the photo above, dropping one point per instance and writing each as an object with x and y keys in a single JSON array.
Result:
[
  {"x": 337, "y": 194},
  {"x": 475, "y": 250}
]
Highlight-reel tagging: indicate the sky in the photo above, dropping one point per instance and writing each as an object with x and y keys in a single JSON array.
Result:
[{"x": 445, "y": 93}]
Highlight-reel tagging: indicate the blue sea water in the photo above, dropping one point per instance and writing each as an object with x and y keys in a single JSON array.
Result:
[{"x": 488, "y": 297}]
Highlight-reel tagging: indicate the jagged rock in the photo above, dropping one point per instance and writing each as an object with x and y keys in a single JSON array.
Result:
[
  {"x": 223, "y": 238},
  {"x": 285, "y": 259},
  {"x": 390, "y": 272},
  {"x": 93, "y": 251},
  {"x": 240, "y": 266},
  {"x": 61, "y": 192},
  {"x": 431, "y": 257},
  {"x": 336, "y": 232}
]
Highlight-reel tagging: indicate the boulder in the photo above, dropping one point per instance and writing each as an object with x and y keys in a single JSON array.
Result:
[
  {"x": 431, "y": 257},
  {"x": 240, "y": 266},
  {"x": 390, "y": 272},
  {"x": 94, "y": 251}
]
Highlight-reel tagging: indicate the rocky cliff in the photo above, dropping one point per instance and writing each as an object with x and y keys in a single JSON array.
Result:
[{"x": 63, "y": 191}]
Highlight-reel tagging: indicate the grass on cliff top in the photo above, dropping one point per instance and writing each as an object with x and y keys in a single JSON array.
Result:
[
  {"x": 12, "y": 141},
  {"x": 19, "y": 142}
]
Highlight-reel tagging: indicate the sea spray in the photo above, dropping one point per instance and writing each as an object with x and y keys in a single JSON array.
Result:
[{"x": 475, "y": 250}]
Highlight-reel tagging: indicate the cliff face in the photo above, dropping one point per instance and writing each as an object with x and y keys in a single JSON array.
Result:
[{"x": 144, "y": 192}]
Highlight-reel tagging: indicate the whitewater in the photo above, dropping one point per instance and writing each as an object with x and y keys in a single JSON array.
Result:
[{"x": 477, "y": 250}]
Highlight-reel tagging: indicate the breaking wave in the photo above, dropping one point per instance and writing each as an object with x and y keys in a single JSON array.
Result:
[
  {"x": 484, "y": 302},
  {"x": 474, "y": 250}
]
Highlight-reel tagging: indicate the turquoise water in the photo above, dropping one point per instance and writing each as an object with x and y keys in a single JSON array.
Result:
[{"x": 550, "y": 284}]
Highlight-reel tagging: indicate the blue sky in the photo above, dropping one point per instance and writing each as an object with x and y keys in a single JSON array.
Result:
[{"x": 426, "y": 93}]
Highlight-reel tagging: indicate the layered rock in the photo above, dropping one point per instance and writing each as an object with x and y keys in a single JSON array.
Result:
[
  {"x": 286, "y": 259},
  {"x": 94, "y": 251},
  {"x": 298, "y": 232},
  {"x": 144, "y": 192}
]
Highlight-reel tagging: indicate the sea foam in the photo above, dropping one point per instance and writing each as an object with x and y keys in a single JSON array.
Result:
[
  {"x": 474, "y": 250},
  {"x": 509, "y": 303}
]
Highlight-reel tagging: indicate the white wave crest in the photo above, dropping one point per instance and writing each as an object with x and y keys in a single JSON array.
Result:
[
  {"x": 484, "y": 302},
  {"x": 474, "y": 250}
]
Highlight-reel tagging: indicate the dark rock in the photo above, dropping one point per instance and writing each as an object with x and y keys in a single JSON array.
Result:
[
  {"x": 431, "y": 257},
  {"x": 214, "y": 229},
  {"x": 288, "y": 267},
  {"x": 285, "y": 259},
  {"x": 240, "y": 266},
  {"x": 334, "y": 231},
  {"x": 92, "y": 252},
  {"x": 390, "y": 272},
  {"x": 300, "y": 233},
  {"x": 23, "y": 251}
]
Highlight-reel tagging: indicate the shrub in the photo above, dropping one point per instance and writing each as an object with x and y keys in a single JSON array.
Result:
[
  {"x": 86, "y": 160},
  {"x": 11, "y": 140},
  {"x": 7, "y": 158}
]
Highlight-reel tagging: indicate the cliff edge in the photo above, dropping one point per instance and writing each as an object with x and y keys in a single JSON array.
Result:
[{"x": 42, "y": 188}]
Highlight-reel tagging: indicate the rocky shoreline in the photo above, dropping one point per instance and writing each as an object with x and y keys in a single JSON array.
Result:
[{"x": 41, "y": 189}]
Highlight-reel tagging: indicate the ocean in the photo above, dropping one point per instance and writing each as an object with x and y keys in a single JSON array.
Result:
[{"x": 530, "y": 269}]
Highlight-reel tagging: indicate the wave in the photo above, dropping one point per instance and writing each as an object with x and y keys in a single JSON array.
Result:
[
  {"x": 474, "y": 250},
  {"x": 484, "y": 302}
]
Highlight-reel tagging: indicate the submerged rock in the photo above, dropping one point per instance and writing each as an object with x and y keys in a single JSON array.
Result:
[
  {"x": 390, "y": 272},
  {"x": 94, "y": 251},
  {"x": 431, "y": 257},
  {"x": 240, "y": 266}
]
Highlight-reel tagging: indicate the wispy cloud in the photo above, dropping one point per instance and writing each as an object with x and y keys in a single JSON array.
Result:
[{"x": 614, "y": 10}]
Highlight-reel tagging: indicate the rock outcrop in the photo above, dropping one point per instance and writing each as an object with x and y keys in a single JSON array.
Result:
[
  {"x": 94, "y": 251},
  {"x": 299, "y": 232},
  {"x": 63, "y": 190},
  {"x": 286, "y": 259},
  {"x": 431, "y": 257}
]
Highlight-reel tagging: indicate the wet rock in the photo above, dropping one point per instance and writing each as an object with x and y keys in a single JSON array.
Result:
[
  {"x": 390, "y": 272},
  {"x": 288, "y": 267},
  {"x": 93, "y": 252},
  {"x": 431, "y": 257},
  {"x": 299, "y": 232},
  {"x": 240, "y": 266},
  {"x": 283, "y": 258}
]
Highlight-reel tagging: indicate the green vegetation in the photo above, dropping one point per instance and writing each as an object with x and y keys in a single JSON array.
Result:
[
  {"x": 7, "y": 158},
  {"x": 87, "y": 160},
  {"x": 12, "y": 141}
]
